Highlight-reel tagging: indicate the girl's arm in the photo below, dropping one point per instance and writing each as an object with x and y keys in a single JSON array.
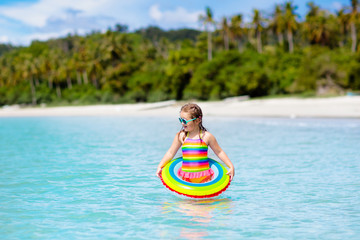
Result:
[
  {"x": 169, "y": 154},
  {"x": 221, "y": 154}
]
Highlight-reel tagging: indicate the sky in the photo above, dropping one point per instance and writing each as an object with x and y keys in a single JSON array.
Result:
[{"x": 22, "y": 21}]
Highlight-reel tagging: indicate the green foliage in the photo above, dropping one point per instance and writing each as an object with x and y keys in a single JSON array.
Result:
[
  {"x": 179, "y": 70},
  {"x": 283, "y": 70},
  {"x": 252, "y": 78},
  {"x": 319, "y": 65},
  {"x": 154, "y": 33},
  {"x": 37, "y": 48},
  {"x": 206, "y": 84},
  {"x": 20, "y": 94},
  {"x": 315, "y": 56},
  {"x": 4, "y": 48}
]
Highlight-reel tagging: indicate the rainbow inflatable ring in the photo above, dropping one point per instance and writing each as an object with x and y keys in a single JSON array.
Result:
[{"x": 219, "y": 183}]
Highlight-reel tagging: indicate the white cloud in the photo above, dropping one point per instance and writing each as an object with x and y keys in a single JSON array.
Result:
[
  {"x": 49, "y": 19},
  {"x": 178, "y": 16},
  {"x": 337, "y": 5},
  {"x": 155, "y": 12},
  {"x": 38, "y": 13},
  {"x": 4, "y": 39}
]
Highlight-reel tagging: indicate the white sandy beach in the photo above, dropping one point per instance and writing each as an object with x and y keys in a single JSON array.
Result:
[{"x": 336, "y": 107}]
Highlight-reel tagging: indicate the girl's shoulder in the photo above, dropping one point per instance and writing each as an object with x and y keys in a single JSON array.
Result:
[
  {"x": 207, "y": 137},
  {"x": 206, "y": 134},
  {"x": 181, "y": 133},
  {"x": 181, "y": 136}
]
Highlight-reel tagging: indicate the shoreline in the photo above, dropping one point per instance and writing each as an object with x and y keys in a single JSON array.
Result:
[{"x": 335, "y": 107}]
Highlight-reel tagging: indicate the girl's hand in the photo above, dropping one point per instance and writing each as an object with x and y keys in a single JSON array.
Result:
[
  {"x": 158, "y": 171},
  {"x": 231, "y": 173}
]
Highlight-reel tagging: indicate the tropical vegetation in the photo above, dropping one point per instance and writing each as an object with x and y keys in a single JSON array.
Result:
[{"x": 273, "y": 54}]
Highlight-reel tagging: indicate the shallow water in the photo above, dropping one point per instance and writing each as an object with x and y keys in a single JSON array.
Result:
[{"x": 94, "y": 177}]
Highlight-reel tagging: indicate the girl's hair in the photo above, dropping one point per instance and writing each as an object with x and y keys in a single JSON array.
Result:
[{"x": 195, "y": 112}]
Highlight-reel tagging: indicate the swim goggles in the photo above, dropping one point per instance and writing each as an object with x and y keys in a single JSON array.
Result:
[{"x": 184, "y": 121}]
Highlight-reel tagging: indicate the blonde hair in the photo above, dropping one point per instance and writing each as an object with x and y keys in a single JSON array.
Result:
[{"x": 195, "y": 112}]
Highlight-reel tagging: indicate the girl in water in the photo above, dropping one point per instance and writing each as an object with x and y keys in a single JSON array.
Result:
[{"x": 194, "y": 140}]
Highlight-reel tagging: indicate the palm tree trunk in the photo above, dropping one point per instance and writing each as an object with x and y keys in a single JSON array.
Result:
[
  {"x": 290, "y": 40},
  {"x": 353, "y": 37},
  {"x": 58, "y": 91},
  {"x": 209, "y": 47},
  {"x": 69, "y": 83},
  {"x": 226, "y": 41},
  {"x": 95, "y": 81},
  {"x": 33, "y": 91},
  {"x": 341, "y": 41},
  {"x": 37, "y": 83},
  {"x": 78, "y": 77},
  {"x": 280, "y": 38},
  {"x": 50, "y": 82},
  {"x": 259, "y": 45},
  {"x": 240, "y": 47},
  {"x": 85, "y": 77}
]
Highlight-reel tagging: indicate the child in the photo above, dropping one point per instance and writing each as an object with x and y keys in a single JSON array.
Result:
[{"x": 194, "y": 139}]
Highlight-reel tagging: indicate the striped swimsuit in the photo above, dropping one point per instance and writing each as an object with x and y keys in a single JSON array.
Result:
[{"x": 195, "y": 166}]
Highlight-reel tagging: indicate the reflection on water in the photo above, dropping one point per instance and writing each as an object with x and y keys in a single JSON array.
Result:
[
  {"x": 200, "y": 211},
  {"x": 193, "y": 234},
  {"x": 198, "y": 214}
]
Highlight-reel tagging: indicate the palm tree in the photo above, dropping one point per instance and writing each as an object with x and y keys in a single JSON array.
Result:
[
  {"x": 57, "y": 71},
  {"x": 95, "y": 70},
  {"x": 291, "y": 24},
  {"x": 4, "y": 72},
  {"x": 84, "y": 59},
  {"x": 78, "y": 68},
  {"x": 69, "y": 63},
  {"x": 353, "y": 19},
  {"x": 225, "y": 32},
  {"x": 321, "y": 33},
  {"x": 317, "y": 25},
  {"x": 46, "y": 66},
  {"x": 310, "y": 22},
  {"x": 208, "y": 20},
  {"x": 258, "y": 28},
  {"x": 313, "y": 10},
  {"x": 27, "y": 73},
  {"x": 64, "y": 72},
  {"x": 343, "y": 21},
  {"x": 93, "y": 62},
  {"x": 37, "y": 70},
  {"x": 278, "y": 24},
  {"x": 236, "y": 30}
]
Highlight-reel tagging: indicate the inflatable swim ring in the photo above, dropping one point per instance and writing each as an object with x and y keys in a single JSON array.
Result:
[{"x": 216, "y": 186}]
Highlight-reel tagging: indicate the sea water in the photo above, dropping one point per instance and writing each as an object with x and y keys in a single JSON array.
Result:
[{"x": 94, "y": 178}]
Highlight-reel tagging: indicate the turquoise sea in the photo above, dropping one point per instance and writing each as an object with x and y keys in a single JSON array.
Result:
[{"x": 94, "y": 178}]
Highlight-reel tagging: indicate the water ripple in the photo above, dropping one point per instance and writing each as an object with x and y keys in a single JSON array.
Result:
[{"x": 94, "y": 177}]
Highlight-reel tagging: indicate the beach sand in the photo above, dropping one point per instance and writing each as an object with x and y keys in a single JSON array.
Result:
[{"x": 336, "y": 107}]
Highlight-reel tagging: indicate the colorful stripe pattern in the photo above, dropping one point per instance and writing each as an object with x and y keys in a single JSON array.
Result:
[
  {"x": 195, "y": 157},
  {"x": 218, "y": 184}
]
